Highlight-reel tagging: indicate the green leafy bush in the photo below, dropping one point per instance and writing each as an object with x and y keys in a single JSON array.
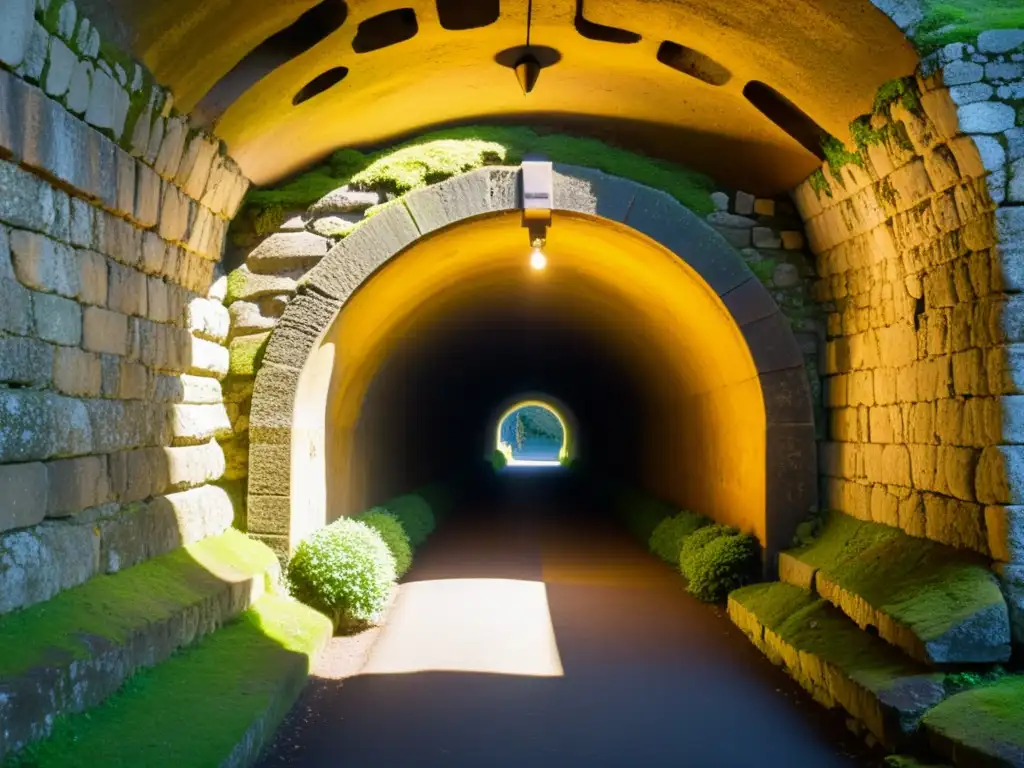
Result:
[
  {"x": 391, "y": 530},
  {"x": 717, "y": 559},
  {"x": 640, "y": 513},
  {"x": 667, "y": 539},
  {"x": 414, "y": 513},
  {"x": 344, "y": 571},
  {"x": 498, "y": 460}
]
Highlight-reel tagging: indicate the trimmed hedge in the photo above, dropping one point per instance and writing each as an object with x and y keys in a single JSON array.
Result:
[
  {"x": 714, "y": 559},
  {"x": 345, "y": 571},
  {"x": 393, "y": 533},
  {"x": 667, "y": 539}
]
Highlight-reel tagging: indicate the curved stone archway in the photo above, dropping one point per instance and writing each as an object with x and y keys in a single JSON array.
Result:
[{"x": 286, "y": 491}]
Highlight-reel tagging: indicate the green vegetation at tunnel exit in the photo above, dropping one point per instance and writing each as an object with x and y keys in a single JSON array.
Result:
[
  {"x": 217, "y": 688},
  {"x": 437, "y": 156},
  {"x": 961, "y": 21},
  {"x": 114, "y": 606},
  {"x": 918, "y": 582}
]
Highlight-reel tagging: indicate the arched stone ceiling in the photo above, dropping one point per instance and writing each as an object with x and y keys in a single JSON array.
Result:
[{"x": 827, "y": 57}]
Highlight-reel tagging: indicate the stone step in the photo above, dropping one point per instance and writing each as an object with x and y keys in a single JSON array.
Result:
[
  {"x": 938, "y": 604},
  {"x": 836, "y": 662},
  {"x": 217, "y": 703},
  {"x": 982, "y": 726},
  {"x": 71, "y": 652}
]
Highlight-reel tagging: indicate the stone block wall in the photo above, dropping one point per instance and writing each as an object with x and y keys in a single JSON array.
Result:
[
  {"x": 113, "y": 214},
  {"x": 918, "y": 239}
]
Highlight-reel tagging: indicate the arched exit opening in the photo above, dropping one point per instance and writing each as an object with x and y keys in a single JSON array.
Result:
[{"x": 534, "y": 431}]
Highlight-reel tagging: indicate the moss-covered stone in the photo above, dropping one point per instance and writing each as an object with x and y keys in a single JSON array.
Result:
[
  {"x": 937, "y": 603},
  {"x": 232, "y": 689},
  {"x": 961, "y": 21},
  {"x": 983, "y": 726},
  {"x": 838, "y": 664},
  {"x": 247, "y": 353}
]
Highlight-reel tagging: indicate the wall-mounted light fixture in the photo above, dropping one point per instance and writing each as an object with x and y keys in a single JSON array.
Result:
[{"x": 538, "y": 191}]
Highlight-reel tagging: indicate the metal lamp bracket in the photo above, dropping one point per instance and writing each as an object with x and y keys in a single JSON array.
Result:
[{"x": 538, "y": 193}]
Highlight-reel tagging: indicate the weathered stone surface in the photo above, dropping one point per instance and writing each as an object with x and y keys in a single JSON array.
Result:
[
  {"x": 962, "y": 72},
  {"x": 61, "y": 66},
  {"x": 208, "y": 359},
  {"x": 287, "y": 251},
  {"x": 39, "y": 562},
  {"x": 246, "y": 318},
  {"x": 25, "y": 361},
  {"x": 77, "y": 373},
  {"x": 193, "y": 424},
  {"x": 27, "y": 200},
  {"x": 979, "y": 726},
  {"x": 208, "y": 319},
  {"x": 344, "y": 200},
  {"x": 83, "y": 222},
  {"x": 732, "y": 220},
  {"x": 77, "y": 99},
  {"x": 970, "y": 93},
  {"x": 119, "y": 424},
  {"x": 195, "y": 167},
  {"x": 246, "y": 286},
  {"x": 200, "y": 390},
  {"x": 836, "y": 662},
  {"x": 169, "y": 158},
  {"x": 23, "y": 501},
  {"x": 1005, "y": 528},
  {"x": 225, "y": 576},
  {"x": 15, "y": 307},
  {"x": 878, "y": 573},
  {"x": 273, "y": 399},
  {"x": 269, "y": 470},
  {"x": 102, "y": 108},
  {"x": 17, "y": 30},
  {"x": 307, "y": 317},
  {"x": 44, "y": 264},
  {"x": 904, "y": 13},
  {"x": 194, "y": 465},
  {"x": 127, "y": 291},
  {"x": 361, "y": 253},
  {"x": 986, "y": 117},
  {"x": 326, "y": 226},
  {"x": 104, "y": 331},
  {"x": 39, "y": 425},
  {"x": 1000, "y": 40},
  {"x": 57, "y": 319},
  {"x": 269, "y": 515},
  {"x": 146, "y": 205},
  {"x": 76, "y": 484},
  {"x": 34, "y": 62}
]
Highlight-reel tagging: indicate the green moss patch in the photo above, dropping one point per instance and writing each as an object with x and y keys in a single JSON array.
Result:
[
  {"x": 928, "y": 587},
  {"x": 246, "y": 353},
  {"x": 198, "y": 706},
  {"x": 116, "y": 606},
  {"x": 437, "y": 156},
  {"x": 961, "y": 21},
  {"x": 982, "y": 726}
]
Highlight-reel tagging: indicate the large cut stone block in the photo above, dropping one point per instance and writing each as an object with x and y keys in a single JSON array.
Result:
[
  {"x": 838, "y": 664},
  {"x": 77, "y": 484},
  {"x": 24, "y": 498},
  {"x": 208, "y": 319},
  {"x": 39, "y": 562},
  {"x": 192, "y": 424},
  {"x": 44, "y": 264},
  {"x": 246, "y": 286},
  {"x": 194, "y": 465},
  {"x": 287, "y": 251},
  {"x": 208, "y": 359},
  {"x": 938, "y": 604},
  {"x": 40, "y": 425},
  {"x": 25, "y": 361},
  {"x": 104, "y": 331},
  {"x": 18, "y": 16}
]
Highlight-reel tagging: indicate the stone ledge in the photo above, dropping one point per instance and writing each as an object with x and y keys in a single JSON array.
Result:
[
  {"x": 77, "y": 649},
  {"x": 938, "y": 604},
  {"x": 838, "y": 664},
  {"x": 268, "y": 650},
  {"x": 983, "y": 726}
]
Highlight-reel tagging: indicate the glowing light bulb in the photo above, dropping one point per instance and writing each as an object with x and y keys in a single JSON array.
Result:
[{"x": 538, "y": 260}]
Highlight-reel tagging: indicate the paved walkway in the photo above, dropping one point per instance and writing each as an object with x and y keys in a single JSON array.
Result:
[{"x": 526, "y": 641}]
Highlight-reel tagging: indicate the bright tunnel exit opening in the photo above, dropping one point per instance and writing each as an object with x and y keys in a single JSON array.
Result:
[{"x": 532, "y": 433}]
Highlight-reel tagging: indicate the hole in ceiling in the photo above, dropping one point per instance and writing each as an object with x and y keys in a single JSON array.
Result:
[
  {"x": 312, "y": 27},
  {"x": 592, "y": 31},
  {"x": 693, "y": 63},
  {"x": 319, "y": 84},
  {"x": 385, "y": 29},
  {"x": 787, "y": 116},
  {"x": 467, "y": 14}
]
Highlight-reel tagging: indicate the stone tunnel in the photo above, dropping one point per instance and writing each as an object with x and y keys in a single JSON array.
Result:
[{"x": 783, "y": 270}]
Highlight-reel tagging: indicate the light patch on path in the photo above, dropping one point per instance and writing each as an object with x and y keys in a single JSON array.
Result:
[{"x": 498, "y": 626}]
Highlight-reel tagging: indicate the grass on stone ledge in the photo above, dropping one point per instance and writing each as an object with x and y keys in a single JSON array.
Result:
[
  {"x": 440, "y": 155},
  {"x": 989, "y": 718},
  {"x": 961, "y": 21},
  {"x": 114, "y": 606},
  {"x": 920, "y": 583},
  {"x": 193, "y": 709}
]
